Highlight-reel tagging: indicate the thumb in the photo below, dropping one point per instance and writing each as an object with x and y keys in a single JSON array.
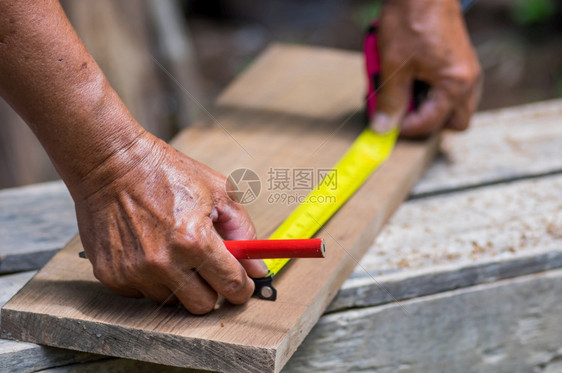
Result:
[
  {"x": 234, "y": 223},
  {"x": 392, "y": 100},
  {"x": 430, "y": 116}
]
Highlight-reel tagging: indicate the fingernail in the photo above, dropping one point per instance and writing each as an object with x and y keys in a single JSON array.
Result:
[
  {"x": 265, "y": 268},
  {"x": 382, "y": 123}
]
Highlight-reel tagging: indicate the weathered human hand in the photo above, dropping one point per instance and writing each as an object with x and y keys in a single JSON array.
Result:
[
  {"x": 150, "y": 218},
  {"x": 426, "y": 40},
  {"x": 146, "y": 217}
]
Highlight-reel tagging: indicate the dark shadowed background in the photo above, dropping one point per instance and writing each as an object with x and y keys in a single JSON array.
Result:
[{"x": 157, "y": 54}]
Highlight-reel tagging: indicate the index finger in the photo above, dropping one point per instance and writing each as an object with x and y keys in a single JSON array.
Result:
[
  {"x": 234, "y": 223},
  {"x": 460, "y": 118},
  {"x": 224, "y": 273}
]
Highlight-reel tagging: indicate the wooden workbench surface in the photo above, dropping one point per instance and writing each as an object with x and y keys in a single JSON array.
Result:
[{"x": 472, "y": 258}]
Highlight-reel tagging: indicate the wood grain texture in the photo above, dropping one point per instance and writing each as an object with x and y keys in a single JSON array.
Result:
[
  {"x": 65, "y": 306},
  {"x": 461, "y": 239},
  {"x": 283, "y": 82},
  {"x": 29, "y": 357},
  {"x": 113, "y": 365},
  {"x": 501, "y": 145},
  {"x": 480, "y": 225},
  {"x": 507, "y": 326}
]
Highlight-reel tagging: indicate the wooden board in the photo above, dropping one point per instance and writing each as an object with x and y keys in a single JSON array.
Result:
[
  {"x": 65, "y": 306},
  {"x": 440, "y": 274},
  {"x": 503, "y": 327}
]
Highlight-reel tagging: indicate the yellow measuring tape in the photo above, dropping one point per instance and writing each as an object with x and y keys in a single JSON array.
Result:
[{"x": 365, "y": 155}]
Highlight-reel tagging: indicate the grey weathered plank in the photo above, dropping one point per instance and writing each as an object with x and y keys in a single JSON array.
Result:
[
  {"x": 489, "y": 223},
  {"x": 111, "y": 365},
  {"x": 458, "y": 240},
  {"x": 501, "y": 145},
  {"x": 10, "y": 284},
  {"x": 507, "y": 326},
  {"x": 35, "y": 222},
  {"x": 16, "y": 357},
  {"x": 368, "y": 292},
  {"x": 29, "y": 357},
  {"x": 360, "y": 290}
]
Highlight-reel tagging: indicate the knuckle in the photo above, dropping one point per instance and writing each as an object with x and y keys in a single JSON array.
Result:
[
  {"x": 177, "y": 237},
  {"x": 195, "y": 237},
  {"x": 234, "y": 287},
  {"x": 125, "y": 275},
  {"x": 466, "y": 76},
  {"x": 101, "y": 275},
  {"x": 156, "y": 293},
  {"x": 471, "y": 76},
  {"x": 108, "y": 277},
  {"x": 200, "y": 308},
  {"x": 155, "y": 262},
  {"x": 195, "y": 231},
  {"x": 194, "y": 247}
]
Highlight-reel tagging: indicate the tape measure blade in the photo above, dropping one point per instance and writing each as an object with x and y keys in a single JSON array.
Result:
[
  {"x": 275, "y": 265},
  {"x": 364, "y": 156}
]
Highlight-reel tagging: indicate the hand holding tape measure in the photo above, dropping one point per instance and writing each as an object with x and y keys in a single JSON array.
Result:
[{"x": 365, "y": 155}]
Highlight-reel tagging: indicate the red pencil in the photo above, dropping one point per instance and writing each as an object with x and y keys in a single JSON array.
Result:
[
  {"x": 273, "y": 249},
  {"x": 277, "y": 249}
]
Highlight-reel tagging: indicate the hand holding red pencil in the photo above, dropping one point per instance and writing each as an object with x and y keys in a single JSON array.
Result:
[{"x": 273, "y": 249}]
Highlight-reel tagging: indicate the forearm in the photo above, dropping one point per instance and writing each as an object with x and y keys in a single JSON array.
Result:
[{"x": 51, "y": 80}]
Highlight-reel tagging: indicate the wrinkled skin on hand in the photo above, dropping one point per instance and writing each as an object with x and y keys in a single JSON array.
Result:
[
  {"x": 149, "y": 217},
  {"x": 146, "y": 219},
  {"x": 426, "y": 40}
]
